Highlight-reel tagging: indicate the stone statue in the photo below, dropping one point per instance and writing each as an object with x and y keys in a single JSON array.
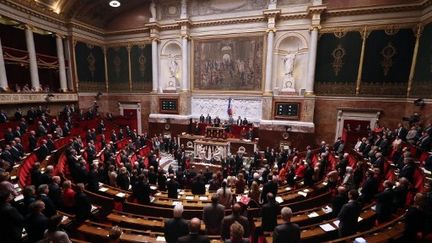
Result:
[
  {"x": 153, "y": 10},
  {"x": 289, "y": 60},
  {"x": 173, "y": 66},
  {"x": 217, "y": 154}
]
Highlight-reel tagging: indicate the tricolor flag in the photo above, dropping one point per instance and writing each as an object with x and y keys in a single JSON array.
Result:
[{"x": 229, "y": 111}]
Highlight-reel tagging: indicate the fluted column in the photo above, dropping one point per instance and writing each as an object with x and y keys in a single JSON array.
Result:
[
  {"x": 34, "y": 75},
  {"x": 62, "y": 66},
  {"x": 269, "y": 61},
  {"x": 155, "y": 65},
  {"x": 3, "y": 77},
  {"x": 414, "y": 59},
  {"x": 312, "y": 61},
  {"x": 185, "y": 62}
]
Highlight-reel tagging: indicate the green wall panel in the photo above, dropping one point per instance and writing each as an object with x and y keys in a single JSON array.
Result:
[
  {"x": 90, "y": 66},
  {"x": 388, "y": 57},
  {"x": 118, "y": 69},
  {"x": 141, "y": 65},
  {"x": 338, "y": 58}
]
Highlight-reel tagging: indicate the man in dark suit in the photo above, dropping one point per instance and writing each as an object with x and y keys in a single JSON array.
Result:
[
  {"x": 424, "y": 141},
  {"x": 36, "y": 222},
  {"x": 11, "y": 221},
  {"x": 213, "y": 215},
  {"x": 348, "y": 216},
  {"x": 401, "y": 132},
  {"x": 172, "y": 187},
  {"x": 287, "y": 232},
  {"x": 384, "y": 202},
  {"x": 176, "y": 227},
  {"x": 270, "y": 187},
  {"x": 194, "y": 236},
  {"x": 50, "y": 208},
  {"x": 198, "y": 185},
  {"x": 208, "y": 119},
  {"x": 339, "y": 200},
  {"x": 269, "y": 212},
  {"x": 217, "y": 121},
  {"x": 202, "y": 118},
  {"x": 408, "y": 169},
  {"x": 32, "y": 141},
  {"x": 369, "y": 187},
  {"x": 230, "y": 219},
  {"x": 82, "y": 204},
  {"x": 43, "y": 150},
  {"x": 9, "y": 135}
]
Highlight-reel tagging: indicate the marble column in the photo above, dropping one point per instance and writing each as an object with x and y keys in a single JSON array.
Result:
[
  {"x": 3, "y": 77},
  {"x": 155, "y": 65},
  {"x": 34, "y": 75},
  {"x": 62, "y": 66},
  {"x": 185, "y": 73},
  {"x": 312, "y": 61},
  {"x": 269, "y": 62}
]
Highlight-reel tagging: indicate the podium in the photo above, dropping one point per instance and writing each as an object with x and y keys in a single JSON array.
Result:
[{"x": 215, "y": 132}]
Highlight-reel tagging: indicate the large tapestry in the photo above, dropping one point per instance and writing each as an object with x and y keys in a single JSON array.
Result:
[
  {"x": 234, "y": 63},
  {"x": 118, "y": 69},
  {"x": 141, "y": 65},
  {"x": 337, "y": 64},
  {"x": 90, "y": 67}
]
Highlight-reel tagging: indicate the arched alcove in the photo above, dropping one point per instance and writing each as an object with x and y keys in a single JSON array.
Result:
[{"x": 170, "y": 65}]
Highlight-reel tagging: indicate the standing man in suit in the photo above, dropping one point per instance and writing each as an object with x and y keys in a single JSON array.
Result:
[
  {"x": 401, "y": 132},
  {"x": 176, "y": 227},
  {"x": 213, "y": 215},
  {"x": 172, "y": 187},
  {"x": 202, "y": 118},
  {"x": 230, "y": 219},
  {"x": 269, "y": 212},
  {"x": 270, "y": 187},
  {"x": 194, "y": 236},
  {"x": 36, "y": 222},
  {"x": 11, "y": 221},
  {"x": 339, "y": 200},
  {"x": 384, "y": 202},
  {"x": 287, "y": 232},
  {"x": 348, "y": 216}
]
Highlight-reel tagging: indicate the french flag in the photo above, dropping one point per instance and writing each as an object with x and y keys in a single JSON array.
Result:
[{"x": 229, "y": 111}]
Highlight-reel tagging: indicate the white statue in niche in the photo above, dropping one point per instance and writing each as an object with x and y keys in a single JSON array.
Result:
[
  {"x": 153, "y": 11},
  {"x": 288, "y": 79},
  {"x": 272, "y": 4}
]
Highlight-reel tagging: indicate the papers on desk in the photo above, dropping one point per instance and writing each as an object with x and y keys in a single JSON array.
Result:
[
  {"x": 306, "y": 190},
  {"x": 279, "y": 199},
  {"x": 158, "y": 194},
  {"x": 152, "y": 199},
  {"x": 288, "y": 188},
  {"x": 203, "y": 198},
  {"x": 189, "y": 197},
  {"x": 176, "y": 203},
  {"x": 182, "y": 193},
  {"x": 15, "y": 185},
  {"x": 153, "y": 187},
  {"x": 64, "y": 218},
  {"x": 130, "y": 187},
  {"x": 336, "y": 223},
  {"x": 373, "y": 207},
  {"x": 16, "y": 166},
  {"x": 93, "y": 208},
  {"x": 327, "y": 227},
  {"x": 19, "y": 198},
  {"x": 327, "y": 209},
  {"x": 359, "y": 240},
  {"x": 103, "y": 189},
  {"x": 313, "y": 215},
  {"x": 301, "y": 182},
  {"x": 325, "y": 183},
  {"x": 120, "y": 194},
  {"x": 160, "y": 238},
  {"x": 13, "y": 178},
  {"x": 359, "y": 219},
  {"x": 304, "y": 194}
]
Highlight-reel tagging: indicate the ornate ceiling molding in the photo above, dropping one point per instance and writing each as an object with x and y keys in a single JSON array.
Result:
[
  {"x": 379, "y": 9},
  {"x": 31, "y": 8}
]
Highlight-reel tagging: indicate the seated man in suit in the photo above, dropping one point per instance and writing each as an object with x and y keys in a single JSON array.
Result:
[
  {"x": 176, "y": 227},
  {"x": 194, "y": 236},
  {"x": 348, "y": 216},
  {"x": 287, "y": 232}
]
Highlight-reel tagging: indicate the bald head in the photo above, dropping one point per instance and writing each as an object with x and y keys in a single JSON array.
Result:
[{"x": 195, "y": 225}]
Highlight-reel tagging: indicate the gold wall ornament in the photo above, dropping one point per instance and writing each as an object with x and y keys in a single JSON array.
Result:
[
  {"x": 338, "y": 55},
  {"x": 340, "y": 33},
  {"x": 391, "y": 30},
  {"x": 91, "y": 60},
  {"x": 388, "y": 52}
]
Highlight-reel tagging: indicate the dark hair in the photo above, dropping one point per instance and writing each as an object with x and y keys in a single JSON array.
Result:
[
  {"x": 54, "y": 222},
  {"x": 354, "y": 194}
]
